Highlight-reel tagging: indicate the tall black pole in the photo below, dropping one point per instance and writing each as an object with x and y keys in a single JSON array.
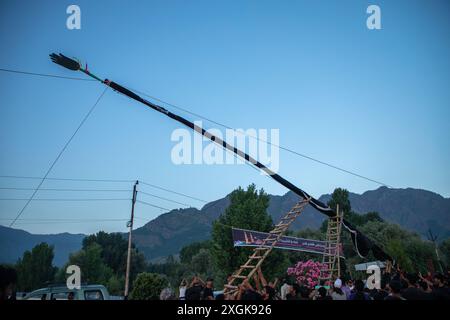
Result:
[
  {"x": 130, "y": 224},
  {"x": 433, "y": 239},
  {"x": 361, "y": 242}
]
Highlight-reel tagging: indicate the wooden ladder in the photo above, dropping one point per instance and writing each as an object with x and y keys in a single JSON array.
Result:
[
  {"x": 260, "y": 253},
  {"x": 331, "y": 255}
]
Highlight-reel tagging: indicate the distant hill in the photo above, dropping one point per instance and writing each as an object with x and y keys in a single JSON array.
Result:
[
  {"x": 413, "y": 209},
  {"x": 14, "y": 242}
]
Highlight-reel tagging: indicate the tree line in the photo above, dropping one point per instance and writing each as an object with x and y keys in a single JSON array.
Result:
[{"x": 102, "y": 258}]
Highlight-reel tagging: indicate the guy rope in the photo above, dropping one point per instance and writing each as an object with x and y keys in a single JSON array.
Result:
[{"x": 361, "y": 243}]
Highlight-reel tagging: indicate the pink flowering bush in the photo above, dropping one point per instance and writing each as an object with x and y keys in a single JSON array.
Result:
[{"x": 307, "y": 272}]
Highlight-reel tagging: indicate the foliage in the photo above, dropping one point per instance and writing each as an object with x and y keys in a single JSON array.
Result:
[
  {"x": 201, "y": 262},
  {"x": 307, "y": 273},
  {"x": 115, "y": 285},
  {"x": 444, "y": 248},
  {"x": 148, "y": 286},
  {"x": 114, "y": 248},
  {"x": 340, "y": 197},
  {"x": 192, "y": 249},
  {"x": 93, "y": 269},
  {"x": 407, "y": 248},
  {"x": 102, "y": 260},
  {"x": 247, "y": 210},
  {"x": 35, "y": 269}
]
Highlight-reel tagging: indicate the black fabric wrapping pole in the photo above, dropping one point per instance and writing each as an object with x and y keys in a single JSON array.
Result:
[{"x": 362, "y": 244}]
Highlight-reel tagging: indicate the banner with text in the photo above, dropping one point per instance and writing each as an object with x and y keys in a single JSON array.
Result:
[{"x": 249, "y": 238}]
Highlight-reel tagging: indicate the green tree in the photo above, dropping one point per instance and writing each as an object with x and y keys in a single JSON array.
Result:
[
  {"x": 444, "y": 248},
  {"x": 115, "y": 285},
  {"x": 187, "y": 252},
  {"x": 247, "y": 210},
  {"x": 340, "y": 196},
  {"x": 35, "y": 269},
  {"x": 93, "y": 269},
  {"x": 407, "y": 248},
  {"x": 201, "y": 263},
  {"x": 114, "y": 248},
  {"x": 148, "y": 286}
]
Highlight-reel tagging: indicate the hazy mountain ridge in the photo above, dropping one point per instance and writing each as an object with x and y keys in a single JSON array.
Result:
[
  {"x": 14, "y": 242},
  {"x": 414, "y": 209}
]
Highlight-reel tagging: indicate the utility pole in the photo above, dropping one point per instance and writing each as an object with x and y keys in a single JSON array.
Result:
[
  {"x": 130, "y": 225},
  {"x": 433, "y": 239}
]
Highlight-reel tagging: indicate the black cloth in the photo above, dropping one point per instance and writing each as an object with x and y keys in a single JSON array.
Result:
[
  {"x": 251, "y": 295},
  {"x": 194, "y": 292},
  {"x": 393, "y": 298},
  {"x": 291, "y": 296},
  {"x": 441, "y": 293},
  {"x": 207, "y": 292},
  {"x": 380, "y": 295},
  {"x": 413, "y": 294}
]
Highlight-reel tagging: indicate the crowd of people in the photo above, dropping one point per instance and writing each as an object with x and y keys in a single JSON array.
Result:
[
  {"x": 396, "y": 285},
  {"x": 393, "y": 286}
]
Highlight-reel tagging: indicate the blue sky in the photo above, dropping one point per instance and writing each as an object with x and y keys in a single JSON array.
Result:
[{"x": 372, "y": 101}]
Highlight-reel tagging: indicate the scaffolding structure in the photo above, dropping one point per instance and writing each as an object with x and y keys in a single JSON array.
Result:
[
  {"x": 260, "y": 253},
  {"x": 331, "y": 257}
]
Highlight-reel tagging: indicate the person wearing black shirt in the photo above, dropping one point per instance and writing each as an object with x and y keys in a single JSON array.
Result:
[
  {"x": 381, "y": 293},
  {"x": 194, "y": 292},
  {"x": 246, "y": 292},
  {"x": 440, "y": 291},
  {"x": 323, "y": 294},
  {"x": 252, "y": 295},
  {"x": 395, "y": 286},
  {"x": 412, "y": 292},
  {"x": 293, "y": 291},
  {"x": 208, "y": 291},
  {"x": 8, "y": 280}
]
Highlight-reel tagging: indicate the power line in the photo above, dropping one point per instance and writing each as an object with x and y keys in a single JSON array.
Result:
[
  {"x": 57, "y": 199},
  {"x": 143, "y": 219},
  {"x": 44, "y": 75},
  {"x": 109, "y": 180},
  {"x": 152, "y": 205},
  {"x": 63, "y": 219},
  {"x": 59, "y": 155},
  {"x": 171, "y": 191},
  {"x": 170, "y": 200},
  {"x": 268, "y": 142},
  {"x": 67, "y": 179},
  {"x": 65, "y": 190},
  {"x": 64, "y": 222},
  {"x": 219, "y": 124}
]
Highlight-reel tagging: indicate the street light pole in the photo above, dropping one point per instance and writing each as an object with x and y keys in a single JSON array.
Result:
[{"x": 130, "y": 225}]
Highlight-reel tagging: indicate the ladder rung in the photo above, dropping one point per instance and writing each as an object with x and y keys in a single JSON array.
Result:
[
  {"x": 262, "y": 248},
  {"x": 248, "y": 267},
  {"x": 282, "y": 225},
  {"x": 240, "y": 277},
  {"x": 229, "y": 286},
  {"x": 255, "y": 257}
]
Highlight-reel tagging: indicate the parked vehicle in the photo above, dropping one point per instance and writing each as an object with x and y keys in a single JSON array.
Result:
[{"x": 60, "y": 292}]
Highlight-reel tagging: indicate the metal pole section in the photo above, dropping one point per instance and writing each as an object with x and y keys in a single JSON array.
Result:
[
  {"x": 130, "y": 224},
  {"x": 338, "y": 247},
  {"x": 433, "y": 239},
  {"x": 367, "y": 244}
]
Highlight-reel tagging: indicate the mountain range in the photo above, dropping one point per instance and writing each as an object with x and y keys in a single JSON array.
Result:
[{"x": 414, "y": 209}]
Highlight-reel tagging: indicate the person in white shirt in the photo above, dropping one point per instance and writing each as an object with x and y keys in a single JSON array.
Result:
[
  {"x": 183, "y": 287},
  {"x": 337, "y": 293},
  {"x": 284, "y": 290}
]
